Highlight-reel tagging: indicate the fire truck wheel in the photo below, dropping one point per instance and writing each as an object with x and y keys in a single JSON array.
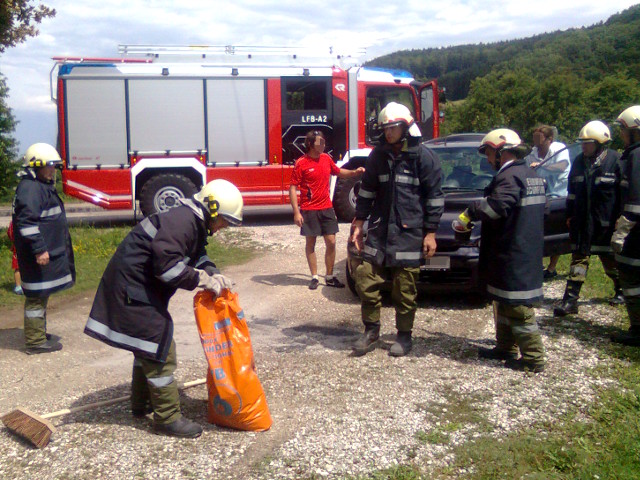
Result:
[
  {"x": 161, "y": 192},
  {"x": 344, "y": 198}
]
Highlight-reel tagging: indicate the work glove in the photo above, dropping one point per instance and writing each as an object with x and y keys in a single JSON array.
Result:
[
  {"x": 463, "y": 223},
  {"x": 211, "y": 270},
  {"x": 623, "y": 227},
  {"x": 214, "y": 283}
]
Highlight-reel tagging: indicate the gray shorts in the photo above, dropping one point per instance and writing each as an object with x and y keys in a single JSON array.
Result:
[{"x": 319, "y": 223}]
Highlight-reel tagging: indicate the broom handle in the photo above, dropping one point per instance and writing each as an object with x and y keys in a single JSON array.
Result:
[{"x": 112, "y": 401}]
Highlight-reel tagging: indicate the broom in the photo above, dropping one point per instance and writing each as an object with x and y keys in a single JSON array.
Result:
[{"x": 37, "y": 429}]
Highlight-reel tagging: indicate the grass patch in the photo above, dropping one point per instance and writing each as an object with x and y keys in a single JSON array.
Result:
[
  {"x": 93, "y": 248},
  {"x": 457, "y": 412}
]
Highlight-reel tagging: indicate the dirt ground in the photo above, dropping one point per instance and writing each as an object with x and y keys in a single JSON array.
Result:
[{"x": 333, "y": 415}]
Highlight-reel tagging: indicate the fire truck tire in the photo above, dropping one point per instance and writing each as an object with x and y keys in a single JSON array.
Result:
[
  {"x": 161, "y": 192},
  {"x": 344, "y": 198}
]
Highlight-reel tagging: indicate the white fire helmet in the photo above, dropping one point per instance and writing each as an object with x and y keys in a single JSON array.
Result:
[
  {"x": 396, "y": 114},
  {"x": 41, "y": 155},
  {"x": 595, "y": 131},
  {"x": 221, "y": 197},
  {"x": 500, "y": 139},
  {"x": 630, "y": 118}
]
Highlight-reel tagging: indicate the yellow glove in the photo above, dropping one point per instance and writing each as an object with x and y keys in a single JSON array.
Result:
[{"x": 463, "y": 223}]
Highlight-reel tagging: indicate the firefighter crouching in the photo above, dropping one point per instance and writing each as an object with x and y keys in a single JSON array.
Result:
[
  {"x": 401, "y": 196},
  {"x": 43, "y": 244},
  {"x": 626, "y": 238},
  {"x": 511, "y": 246},
  {"x": 593, "y": 204},
  {"x": 164, "y": 252}
]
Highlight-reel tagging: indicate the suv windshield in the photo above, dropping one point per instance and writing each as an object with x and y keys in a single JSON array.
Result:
[{"x": 463, "y": 168}]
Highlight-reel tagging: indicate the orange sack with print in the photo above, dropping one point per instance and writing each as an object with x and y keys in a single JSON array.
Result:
[{"x": 236, "y": 397}]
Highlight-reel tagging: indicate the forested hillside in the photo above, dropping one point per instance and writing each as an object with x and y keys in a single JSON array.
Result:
[{"x": 563, "y": 78}]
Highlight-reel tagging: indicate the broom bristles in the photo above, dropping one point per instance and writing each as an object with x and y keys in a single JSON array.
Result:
[{"x": 29, "y": 426}]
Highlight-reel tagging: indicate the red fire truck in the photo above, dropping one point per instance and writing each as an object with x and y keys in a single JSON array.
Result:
[{"x": 157, "y": 123}]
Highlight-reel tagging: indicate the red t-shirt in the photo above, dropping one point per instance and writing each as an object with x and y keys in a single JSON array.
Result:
[{"x": 312, "y": 177}]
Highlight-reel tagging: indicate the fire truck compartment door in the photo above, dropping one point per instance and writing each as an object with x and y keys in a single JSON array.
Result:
[
  {"x": 166, "y": 115},
  {"x": 96, "y": 122},
  {"x": 236, "y": 121}
]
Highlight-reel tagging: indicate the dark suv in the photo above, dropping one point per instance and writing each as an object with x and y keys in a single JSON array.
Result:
[{"x": 465, "y": 174}]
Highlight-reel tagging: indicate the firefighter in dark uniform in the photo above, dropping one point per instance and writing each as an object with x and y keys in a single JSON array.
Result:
[
  {"x": 400, "y": 195},
  {"x": 164, "y": 252},
  {"x": 626, "y": 238},
  {"x": 593, "y": 204},
  {"x": 512, "y": 214},
  {"x": 43, "y": 244}
]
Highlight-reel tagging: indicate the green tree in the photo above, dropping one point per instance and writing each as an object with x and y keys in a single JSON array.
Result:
[
  {"x": 8, "y": 165},
  {"x": 18, "y": 19}
]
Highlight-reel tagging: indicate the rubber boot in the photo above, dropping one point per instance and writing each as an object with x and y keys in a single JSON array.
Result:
[
  {"x": 569, "y": 303},
  {"x": 368, "y": 340},
  {"x": 182, "y": 427},
  {"x": 618, "y": 298},
  {"x": 402, "y": 345},
  {"x": 630, "y": 338}
]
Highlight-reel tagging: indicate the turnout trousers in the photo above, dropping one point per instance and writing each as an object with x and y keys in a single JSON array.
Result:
[
  {"x": 369, "y": 280},
  {"x": 630, "y": 283},
  {"x": 516, "y": 327},
  {"x": 580, "y": 267},
  {"x": 152, "y": 382},
  {"x": 35, "y": 321}
]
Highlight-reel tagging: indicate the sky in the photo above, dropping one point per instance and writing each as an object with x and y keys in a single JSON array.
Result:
[{"x": 92, "y": 28}]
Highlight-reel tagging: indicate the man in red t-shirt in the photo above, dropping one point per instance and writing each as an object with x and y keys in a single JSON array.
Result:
[{"x": 315, "y": 216}]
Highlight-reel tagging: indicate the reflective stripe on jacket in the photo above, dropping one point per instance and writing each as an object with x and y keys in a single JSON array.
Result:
[
  {"x": 156, "y": 258},
  {"x": 593, "y": 202},
  {"x": 402, "y": 198},
  {"x": 40, "y": 225},
  {"x": 630, "y": 204},
  {"x": 511, "y": 245}
]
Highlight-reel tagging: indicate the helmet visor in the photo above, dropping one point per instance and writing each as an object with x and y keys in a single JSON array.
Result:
[{"x": 231, "y": 220}]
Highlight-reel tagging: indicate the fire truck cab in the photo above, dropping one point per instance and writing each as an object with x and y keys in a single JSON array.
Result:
[{"x": 157, "y": 123}]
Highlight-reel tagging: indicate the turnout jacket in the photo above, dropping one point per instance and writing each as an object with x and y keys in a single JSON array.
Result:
[
  {"x": 593, "y": 202},
  {"x": 630, "y": 189},
  {"x": 512, "y": 238},
  {"x": 402, "y": 198},
  {"x": 40, "y": 225},
  {"x": 158, "y": 256}
]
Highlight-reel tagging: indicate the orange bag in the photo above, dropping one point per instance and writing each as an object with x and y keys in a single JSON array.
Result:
[{"x": 236, "y": 397}]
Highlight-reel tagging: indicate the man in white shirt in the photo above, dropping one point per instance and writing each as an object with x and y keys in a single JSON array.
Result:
[{"x": 554, "y": 170}]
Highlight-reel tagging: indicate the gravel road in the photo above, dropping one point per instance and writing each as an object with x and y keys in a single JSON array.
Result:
[{"x": 333, "y": 415}]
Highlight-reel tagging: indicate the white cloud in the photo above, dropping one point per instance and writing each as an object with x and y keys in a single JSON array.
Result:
[{"x": 93, "y": 28}]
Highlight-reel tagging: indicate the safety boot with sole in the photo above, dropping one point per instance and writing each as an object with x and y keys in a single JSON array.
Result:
[
  {"x": 182, "y": 428},
  {"x": 368, "y": 340},
  {"x": 522, "y": 365},
  {"x": 631, "y": 338},
  {"x": 569, "y": 305},
  {"x": 46, "y": 347},
  {"x": 402, "y": 345},
  {"x": 495, "y": 354}
]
